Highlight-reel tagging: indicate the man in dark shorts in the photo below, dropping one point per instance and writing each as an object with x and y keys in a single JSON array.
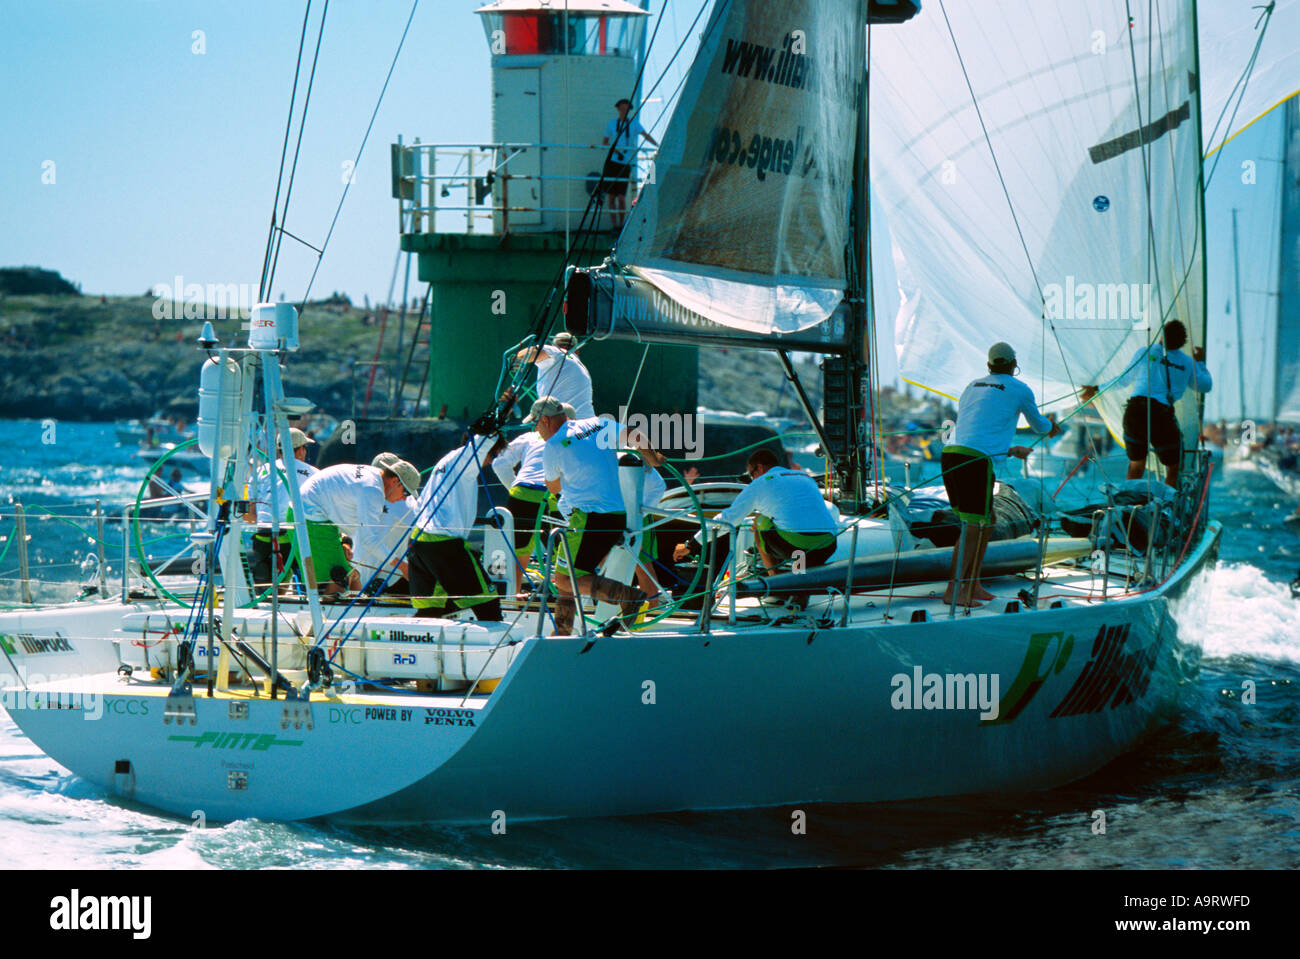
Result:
[
  {"x": 580, "y": 463},
  {"x": 1161, "y": 373},
  {"x": 621, "y": 137},
  {"x": 446, "y": 576},
  {"x": 987, "y": 414},
  {"x": 792, "y": 520}
]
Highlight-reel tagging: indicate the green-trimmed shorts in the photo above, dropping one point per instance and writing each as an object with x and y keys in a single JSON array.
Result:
[
  {"x": 528, "y": 505},
  {"x": 782, "y": 545},
  {"x": 326, "y": 542},
  {"x": 968, "y": 478},
  {"x": 444, "y": 571},
  {"x": 590, "y": 537}
]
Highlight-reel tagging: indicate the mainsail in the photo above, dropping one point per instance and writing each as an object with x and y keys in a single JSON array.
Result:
[
  {"x": 745, "y": 223},
  {"x": 1041, "y": 172}
]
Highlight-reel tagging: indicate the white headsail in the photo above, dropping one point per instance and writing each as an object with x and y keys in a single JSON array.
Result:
[
  {"x": 746, "y": 220},
  {"x": 1040, "y": 166},
  {"x": 1241, "y": 84}
]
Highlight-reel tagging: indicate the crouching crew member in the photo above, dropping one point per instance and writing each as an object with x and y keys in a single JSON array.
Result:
[
  {"x": 793, "y": 521},
  {"x": 445, "y": 574},
  {"x": 354, "y": 499}
]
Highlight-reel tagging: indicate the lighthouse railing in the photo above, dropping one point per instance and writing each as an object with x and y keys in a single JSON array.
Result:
[{"x": 481, "y": 188}]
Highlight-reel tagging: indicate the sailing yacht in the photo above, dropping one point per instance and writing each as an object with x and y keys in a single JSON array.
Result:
[
  {"x": 1028, "y": 149},
  {"x": 1258, "y": 330}
]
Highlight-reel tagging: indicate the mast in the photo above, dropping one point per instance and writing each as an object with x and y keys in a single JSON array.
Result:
[
  {"x": 1288, "y": 263},
  {"x": 1236, "y": 285},
  {"x": 1200, "y": 321},
  {"x": 857, "y": 351}
]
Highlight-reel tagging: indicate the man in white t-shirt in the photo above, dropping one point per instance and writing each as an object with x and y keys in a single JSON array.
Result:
[
  {"x": 559, "y": 373},
  {"x": 518, "y": 465},
  {"x": 355, "y": 499},
  {"x": 259, "y": 511},
  {"x": 1161, "y": 374},
  {"x": 792, "y": 519},
  {"x": 621, "y": 137},
  {"x": 580, "y": 464},
  {"x": 987, "y": 414},
  {"x": 445, "y": 574}
]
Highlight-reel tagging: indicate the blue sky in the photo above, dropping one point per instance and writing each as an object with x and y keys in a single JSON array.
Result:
[{"x": 165, "y": 159}]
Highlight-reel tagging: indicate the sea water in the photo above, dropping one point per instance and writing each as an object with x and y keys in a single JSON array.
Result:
[{"x": 1220, "y": 787}]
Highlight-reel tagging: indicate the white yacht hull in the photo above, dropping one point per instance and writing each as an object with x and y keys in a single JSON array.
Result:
[{"x": 663, "y": 721}]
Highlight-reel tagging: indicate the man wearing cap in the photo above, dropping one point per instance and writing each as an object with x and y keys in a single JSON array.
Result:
[
  {"x": 560, "y": 373},
  {"x": 445, "y": 574},
  {"x": 357, "y": 500},
  {"x": 259, "y": 511},
  {"x": 987, "y": 414},
  {"x": 793, "y": 519},
  {"x": 1162, "y": 374},
  {"x": 621, "y": 137},
  {"x": 580, "y": 464}
]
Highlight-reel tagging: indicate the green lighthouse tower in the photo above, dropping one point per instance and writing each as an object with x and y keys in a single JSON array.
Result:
[{"x": 490, "y": 223}]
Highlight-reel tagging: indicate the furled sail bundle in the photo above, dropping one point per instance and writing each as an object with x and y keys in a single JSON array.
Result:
[
  {"x": 745, "y": 223},
  {"x": 1040, "y": 165}
]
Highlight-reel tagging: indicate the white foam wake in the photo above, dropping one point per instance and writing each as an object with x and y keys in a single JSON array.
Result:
[{"x": 1249, "y": 615}]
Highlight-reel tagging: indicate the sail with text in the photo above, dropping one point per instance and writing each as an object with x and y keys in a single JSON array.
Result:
[{"x": 741, "y": 234}]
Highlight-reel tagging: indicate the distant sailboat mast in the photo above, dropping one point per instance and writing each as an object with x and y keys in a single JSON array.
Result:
[
  {"x": 1286, "y": 395},
  {"x": 1236, "y": 309}
]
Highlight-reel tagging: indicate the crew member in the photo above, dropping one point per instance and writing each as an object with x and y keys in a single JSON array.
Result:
[
  {"x": 651, "y": 491},
  {"x": 793, "y": 520},
  {"x": 518, "y": 465},
  {"x": 444, "y": 571},
  {"x": 580, "y": 463},
  {"x": 987, "y": 414},
  {"x": 259, "y": 511},
  {"x": 560, "y": 374},
  {"x": 358, "y": 500},
  {"x": 1161, "y": 375},
  {"x": 622, "y": 133}
]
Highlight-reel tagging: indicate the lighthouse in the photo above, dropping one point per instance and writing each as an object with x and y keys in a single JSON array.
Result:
[{"x": 490, "y": 223}]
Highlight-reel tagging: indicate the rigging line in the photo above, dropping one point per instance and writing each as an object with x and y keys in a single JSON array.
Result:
[
  {"x": 262, "y": 292},
  {"x": 717, "y": 18},
  {"x": 873, "y": 363},
  {"x": 361, "y": 149},
  {"x": 585, "y": 236},
  {"x": 1007, "y": 194},
  {"x": 992, "y": 153},
  {"x": 637, "y": 379},
  {"x": 1145, "y": 153},
  {"x": 1242, "y": 82},
  {"x": 293, "y": 169}
]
